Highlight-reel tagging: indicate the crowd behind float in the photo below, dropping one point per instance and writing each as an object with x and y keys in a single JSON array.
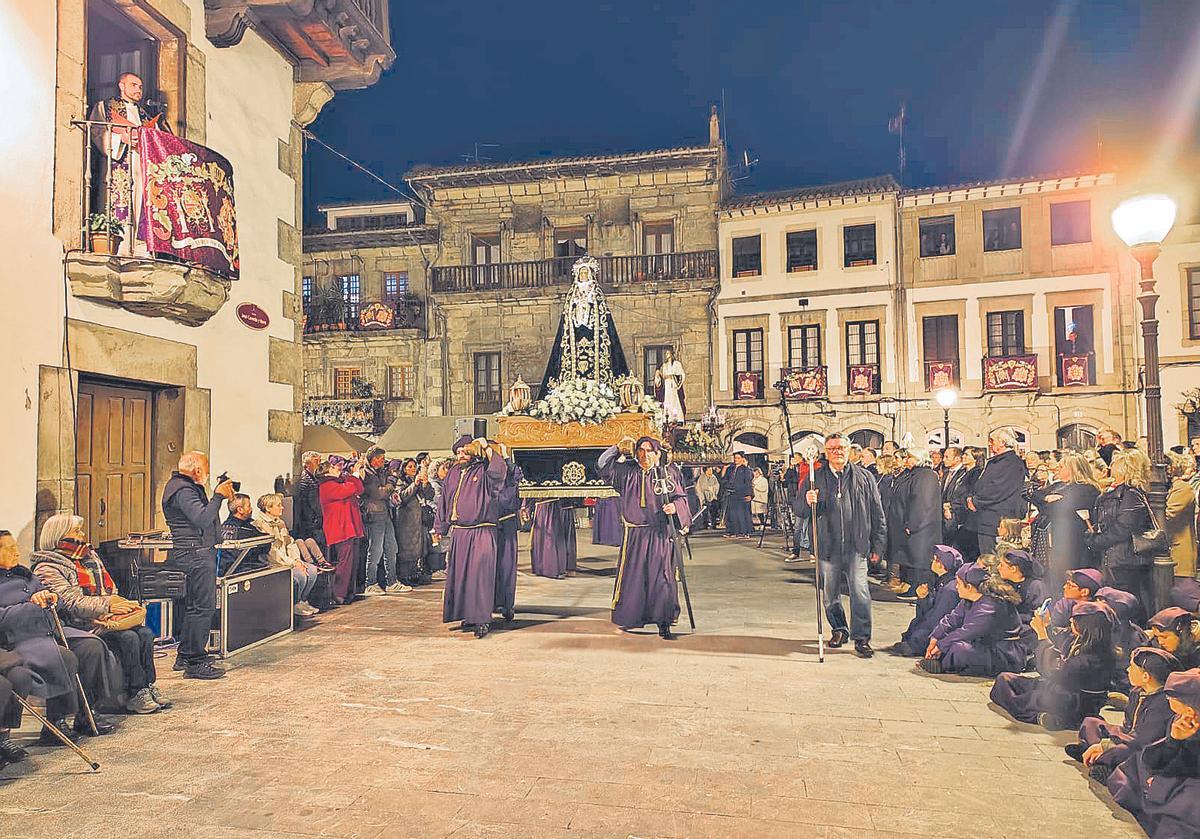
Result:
[{"x": 1033, "y": 569}]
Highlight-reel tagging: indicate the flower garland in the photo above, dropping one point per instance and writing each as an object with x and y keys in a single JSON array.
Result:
[{"x": 586, "y": 402}]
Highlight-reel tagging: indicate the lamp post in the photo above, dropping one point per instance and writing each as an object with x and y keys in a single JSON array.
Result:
[
  {"x": 1142, "y": 223},
  {"x": 946, "y": 397}
]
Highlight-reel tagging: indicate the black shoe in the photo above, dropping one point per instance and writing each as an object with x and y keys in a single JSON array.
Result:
[
  {"x": 931, "y": 665},
  {"x": 181, "y": 663},
  {"x": 901, "y": 649},
  {"x": 48, "y": 738},
  {"x": 203, "y": 670},
  {"x": 1075, "y": 751},
  {"x": 665, "y": 633},
  {"x": 482, "y": 629},
  {"x": 1100, "y": 773},
  {"x": 862, "y": 648},
  {"x": 838, "y": 638},
  {"x": 909, "y": 595},
  {"x": 509, "y": 615},
  {"x": 103, "y": 727},
  {"x": 10, "y": 752}
]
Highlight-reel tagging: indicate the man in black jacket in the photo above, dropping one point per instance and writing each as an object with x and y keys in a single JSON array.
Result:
[
  {"x": 307, "y": 518},
  {"x": 850, "y": 527},
  {"x": 195, "y": 523},
  {"x": 921, "y": 511},
  {"x": 997, "y": 491}
]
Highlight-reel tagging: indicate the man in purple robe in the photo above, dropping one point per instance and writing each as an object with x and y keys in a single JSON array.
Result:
[
  {"x": 548, "y": 548},
  {"x": 646, "y": 590},
  {"x": 467, "y": 512},
  {"x": 508, "y": 503},
  {"x": 606, "y": 522}
]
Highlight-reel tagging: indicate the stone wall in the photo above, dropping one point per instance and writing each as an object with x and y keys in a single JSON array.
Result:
[{"x": 373, "y": 354}]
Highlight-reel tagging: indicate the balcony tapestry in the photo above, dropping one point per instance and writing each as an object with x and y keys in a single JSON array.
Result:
[
  {"x": 1075, "y": 370},
  {"x": 189, "y": 208},
  {"x": 587, "y": 346},
  {"x": 748, "y": 385},
  {"x": 804, "y": 382},
  {"x": 939, "y": 374},
  {"x": 861, "y": 379},
  {"x": 1012, "y": 373}
]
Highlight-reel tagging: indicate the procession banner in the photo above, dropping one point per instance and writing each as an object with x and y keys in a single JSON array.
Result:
[
  {"x": 1075, "y": 370},
  {"x": 940, "y": 374},
  {"x": 748, "y": 385},
  {"x": 188, "y": 208},
  {"x": 861, "y": 379},
  {"x": 804, "y": 382},
  {"x": 1017, "y": 372}
]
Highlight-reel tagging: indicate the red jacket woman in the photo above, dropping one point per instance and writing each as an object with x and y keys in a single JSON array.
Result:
[{"x": 343, "y": 527}]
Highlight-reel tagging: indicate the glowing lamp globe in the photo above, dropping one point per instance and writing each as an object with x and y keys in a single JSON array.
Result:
[
  {"x": 946, "y": 397},
  {"x": 1144, "y": 219}
]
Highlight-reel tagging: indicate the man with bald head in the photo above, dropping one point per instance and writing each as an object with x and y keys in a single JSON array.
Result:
[{"x": 195, "y": 524}]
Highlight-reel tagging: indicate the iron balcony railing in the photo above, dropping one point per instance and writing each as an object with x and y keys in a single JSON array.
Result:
[
  {"x": 358, "y": 416},
  {"x": 615, "y": 272},
  {"x": 342, "y": 316}
]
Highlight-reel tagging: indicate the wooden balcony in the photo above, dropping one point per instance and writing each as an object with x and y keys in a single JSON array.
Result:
[
  {"x": 343, "y": 43},
  {"x": 616, "y": 272}
]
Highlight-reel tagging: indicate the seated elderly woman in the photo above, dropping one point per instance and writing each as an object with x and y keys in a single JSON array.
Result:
[
  {"x": 88, "y": 603},
  {"x": 40, "y": 667},
  {"x": 303, "y": 556}
]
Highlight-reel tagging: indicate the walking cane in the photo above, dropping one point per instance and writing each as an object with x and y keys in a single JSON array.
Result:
[
  {"x": 87, "y": 708},
  {"x": 808, "y": 451},
  {"x": 57, "y": 732}
]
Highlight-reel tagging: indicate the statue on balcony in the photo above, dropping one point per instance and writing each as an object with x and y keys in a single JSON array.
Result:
[
  {"x": 586, "y": 346},
  {"x": 668, "y": 387}
]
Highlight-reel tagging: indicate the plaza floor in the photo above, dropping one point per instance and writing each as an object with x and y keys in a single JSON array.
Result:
[{"x": 381, "y": 722}]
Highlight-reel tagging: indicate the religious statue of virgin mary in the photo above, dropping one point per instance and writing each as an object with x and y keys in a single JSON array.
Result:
[{"x": 586, "y": 346}]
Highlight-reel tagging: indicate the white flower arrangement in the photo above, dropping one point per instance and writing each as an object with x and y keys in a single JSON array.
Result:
[
  {"x": 577, "y": 400},
  {"x": 658, "y": 414}
]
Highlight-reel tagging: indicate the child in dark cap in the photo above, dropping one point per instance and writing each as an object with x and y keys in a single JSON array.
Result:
[
  {"x": 1081, "y": 586},
  {"x": 1102, "y": 747},
  {"x": 1175, "y": 631},
  {"x": 981, "y": 635},
  {"x": 1074, "y": 685},
  {"x": 935, "y": 601}
]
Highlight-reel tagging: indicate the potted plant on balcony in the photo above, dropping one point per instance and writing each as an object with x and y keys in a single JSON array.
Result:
[{"x": 103, "y": 232}]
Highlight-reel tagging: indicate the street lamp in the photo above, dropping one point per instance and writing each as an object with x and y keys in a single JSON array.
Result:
[
  {"x": 1142, "y": 223},
  {"x": 946, "y": 397}
]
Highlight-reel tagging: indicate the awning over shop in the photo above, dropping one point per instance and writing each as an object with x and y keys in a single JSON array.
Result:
[
  {"x": 408, "y": 436},
  {"x": 328, "y": 439}
]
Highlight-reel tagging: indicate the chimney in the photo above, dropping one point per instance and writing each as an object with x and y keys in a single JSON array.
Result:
[{"x": 714, "y": 128}]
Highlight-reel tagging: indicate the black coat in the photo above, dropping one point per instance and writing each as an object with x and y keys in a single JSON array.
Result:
[
  {"x": 1118, "y": 513},
  {"x": 997, "y": 492},
  {"x": 1060, "y": 520},
  {"x": 412, "y": 537},
  {"x": 308, "y": 522},
  {"x": 194, "y": 520},
  {"x": 893, "y": 511},
  {"x": 920, "y": 510},
  {"x": 852, "y": 524},
  {"x": 377, "y": 487},
  {"x": 25, "y": 628}
]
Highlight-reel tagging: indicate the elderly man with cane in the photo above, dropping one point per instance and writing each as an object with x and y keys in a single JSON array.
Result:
[
  {"x": 195, "y": 524},
  {"x": 843, "y": 500}
]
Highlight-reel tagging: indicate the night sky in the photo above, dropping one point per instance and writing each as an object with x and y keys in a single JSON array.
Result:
[{"x": 808, "y": 86}]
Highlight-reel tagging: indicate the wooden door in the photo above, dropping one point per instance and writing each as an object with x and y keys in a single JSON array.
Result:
[{"x": 112, "y": 460}]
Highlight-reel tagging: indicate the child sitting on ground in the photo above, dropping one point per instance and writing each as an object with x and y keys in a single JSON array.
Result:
[
  {"x": 1080, "y": 586},
  {"x": 981, "y": 635},
  {"x": 1175, "y": 631},
  {"x": 1127, "y": 635},
  {"x": 1103, "y": 747},
  {"x": 1161, "y": 785},
  {"x": 935, "y": 602},
  {"x": 1074, "y": 685},
  {"x": 1024, "y": 574}
]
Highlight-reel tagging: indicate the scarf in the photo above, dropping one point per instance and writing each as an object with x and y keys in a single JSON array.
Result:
[{"x": 93, "y": 576}]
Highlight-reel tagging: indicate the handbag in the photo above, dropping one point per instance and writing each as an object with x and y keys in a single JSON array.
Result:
[
  {"x": 1151, "y": 542},
  {"x": 117, "y": 623}
]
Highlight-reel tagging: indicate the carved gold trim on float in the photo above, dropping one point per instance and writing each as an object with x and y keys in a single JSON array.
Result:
[{"x": 530, "y": 433}]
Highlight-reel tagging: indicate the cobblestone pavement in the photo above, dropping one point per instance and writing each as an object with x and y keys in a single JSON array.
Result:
[{"x": 381, "y": 722}]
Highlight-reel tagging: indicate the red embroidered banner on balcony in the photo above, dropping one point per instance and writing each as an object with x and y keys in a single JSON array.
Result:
[
  {"x": 939, "y": 374},
  {"x": 861, "y": 379},
  {"x": 1076, "y": 371},
  {"x": 189, "y": 209},
  {"x": 1017, "y": 372},
  {"x": 748, "y": 386},
  {"x": 804, "y": 382}
]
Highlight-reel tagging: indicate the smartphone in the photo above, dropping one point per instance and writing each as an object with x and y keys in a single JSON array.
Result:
[{"x": 1044, "y": 609}]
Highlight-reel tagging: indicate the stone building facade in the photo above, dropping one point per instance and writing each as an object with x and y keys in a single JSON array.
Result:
[
  {"x": 117, "y": 364},
  {"x": 490, "y": 262}
]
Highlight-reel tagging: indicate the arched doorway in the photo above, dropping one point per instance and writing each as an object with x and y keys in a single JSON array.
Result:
[
  {"x": 754, "y": 445},
  {"x": 934, "y": 439},
  {"x": 1077, "y": 436},
  {"x": 868, "y": 438}
]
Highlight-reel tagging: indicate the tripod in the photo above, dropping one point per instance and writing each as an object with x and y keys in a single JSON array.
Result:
[
  {"x": 780, "y": 509},
  {"x": 809, "y": 453}
]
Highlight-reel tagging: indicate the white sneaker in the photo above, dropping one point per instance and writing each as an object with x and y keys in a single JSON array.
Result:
[
  {"x": 299, "y": 612},
  {"x": 398, "y": 588},
  {"x": 305, "y": 610},
  {"x": 373, "y": 590},
  {"x": 438, "y": 575}
]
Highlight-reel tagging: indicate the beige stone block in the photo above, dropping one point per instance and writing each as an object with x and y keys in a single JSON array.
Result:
[
  {"x": 130, "y": 355},
  {"x": 284, "y": 362},
  {"x": 151, "y": 287},
  {"x": 284, "y": 426},
  {"x": 288, "y": 238}
]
